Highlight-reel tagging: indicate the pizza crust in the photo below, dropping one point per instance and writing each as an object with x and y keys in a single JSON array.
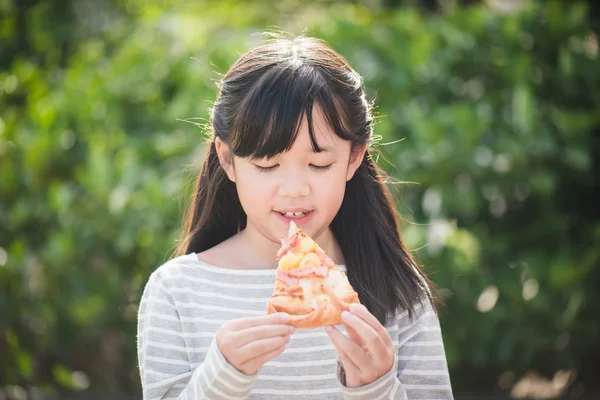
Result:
[{"x": 328, "y": 312}]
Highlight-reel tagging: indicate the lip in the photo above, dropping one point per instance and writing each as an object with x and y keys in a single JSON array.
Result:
[{"x": 299, "y": 221}]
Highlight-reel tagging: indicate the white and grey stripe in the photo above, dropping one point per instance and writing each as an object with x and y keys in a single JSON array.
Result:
[{"x": 186, "y": 301}]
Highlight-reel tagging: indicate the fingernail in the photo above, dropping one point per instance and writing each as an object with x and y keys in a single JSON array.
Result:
[
  {"x": 347, "y": 316},
  {"x": 284, "y": 317},
  {"x": 328, "y": 328},
  {"x": 355, "y": 307},
  {"x": 292, "y": 329}
]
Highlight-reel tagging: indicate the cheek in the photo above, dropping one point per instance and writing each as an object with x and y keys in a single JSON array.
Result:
[
  {"x": 329, "y": 192},
  {"x": 252, "y": 188}
]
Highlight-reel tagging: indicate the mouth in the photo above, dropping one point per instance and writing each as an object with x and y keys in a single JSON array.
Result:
[{"x": 296, "y": 215}]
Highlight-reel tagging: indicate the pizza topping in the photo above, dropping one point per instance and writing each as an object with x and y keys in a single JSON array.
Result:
[
  {"x": 297, "y": 240},
  {"x": 298, "y": 259},
  {"x": 287, "y": 245},
  {"x": 286, "y": 278},
  {"x": 307, "y": 244},
  {"x": 290, "y": 277},
  {"x": 289, "y": 261},
  {"x": 318, "y": 271},
  {"x": 310, "y": 260},
  {"x": 324, "y": 259}
]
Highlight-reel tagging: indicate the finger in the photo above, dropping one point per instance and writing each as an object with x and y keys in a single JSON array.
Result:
[
  {"x": 248, "y": 322},
  {"x": 355, "y": 337},
  {"x": 255, "y": 363},
  {"x": 373, "y": 341},
  {"x": 362, "y": 312},
  {"x": 347, "y": 348},
  {"x": 242, "y": 337},
  {"x": 348, "y": 364},
  {"x": 349, "y": 367},
  {"x": 260, "y": 347}
]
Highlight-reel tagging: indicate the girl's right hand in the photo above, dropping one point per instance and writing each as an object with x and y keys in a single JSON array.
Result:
[{"x": 248, "y": 343}]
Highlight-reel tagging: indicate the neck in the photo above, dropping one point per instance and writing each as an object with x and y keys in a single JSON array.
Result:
[{"x": 261, "y": 251}]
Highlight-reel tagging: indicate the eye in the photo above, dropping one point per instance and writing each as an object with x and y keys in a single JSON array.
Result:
[
  {"x": 321, "y": 167},
  {"x": 266, "y": 169}
]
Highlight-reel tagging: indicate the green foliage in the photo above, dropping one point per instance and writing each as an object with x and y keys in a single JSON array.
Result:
[{"x": 499, "y": 116}]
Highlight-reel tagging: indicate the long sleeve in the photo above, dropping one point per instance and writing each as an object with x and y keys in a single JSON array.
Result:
[
  {"x": 422, "y": 370},
  {"x": 165, "y": 369}
]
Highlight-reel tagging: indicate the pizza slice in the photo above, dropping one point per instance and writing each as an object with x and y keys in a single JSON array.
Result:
[{"x": 309, "y": 285}]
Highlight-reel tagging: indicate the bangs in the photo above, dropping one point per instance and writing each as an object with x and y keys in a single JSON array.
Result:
[{"x": 269, "y": 118}]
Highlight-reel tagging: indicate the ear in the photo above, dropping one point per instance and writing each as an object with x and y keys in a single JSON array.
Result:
[
  {"x": 225, "y": 158},
  {"x": 356, "y": 158}
]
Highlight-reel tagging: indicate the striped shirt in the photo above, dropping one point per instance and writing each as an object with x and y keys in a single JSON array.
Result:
[{"x": 184, "y": 303}]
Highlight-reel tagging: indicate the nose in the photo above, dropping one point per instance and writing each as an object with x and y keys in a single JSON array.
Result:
[{"x": 294, "y": 184}]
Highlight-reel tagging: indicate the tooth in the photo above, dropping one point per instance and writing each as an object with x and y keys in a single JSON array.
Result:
[{"x": 291, "y": 214}]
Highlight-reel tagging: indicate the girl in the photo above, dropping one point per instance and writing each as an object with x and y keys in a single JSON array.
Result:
[{"x": 290, "y": 141}]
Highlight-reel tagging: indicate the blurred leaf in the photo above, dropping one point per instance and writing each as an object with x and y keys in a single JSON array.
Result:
[
  {"x": 498, "y": 114},
  {"x": 64, "y": 377}
]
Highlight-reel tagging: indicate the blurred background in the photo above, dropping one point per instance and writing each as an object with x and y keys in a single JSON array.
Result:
[{"x": 488, "y": 112}]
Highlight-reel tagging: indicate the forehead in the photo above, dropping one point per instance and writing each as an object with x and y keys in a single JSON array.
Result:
[{"x": 324, "y": 135}]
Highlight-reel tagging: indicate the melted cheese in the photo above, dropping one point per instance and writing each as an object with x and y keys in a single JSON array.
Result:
[
  {"x": 309, "y": 293},
  {"x": 336, "y": 281},
  {"x": 310, "y": 260}
]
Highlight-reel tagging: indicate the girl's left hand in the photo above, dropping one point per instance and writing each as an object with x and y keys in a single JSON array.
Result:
[{"x": 368, "y": 352}]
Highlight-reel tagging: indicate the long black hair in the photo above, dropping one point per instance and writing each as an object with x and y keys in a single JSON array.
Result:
[{"x": 261, "y": 102}]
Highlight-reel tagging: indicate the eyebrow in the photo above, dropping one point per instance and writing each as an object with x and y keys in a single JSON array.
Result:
[{"x": 324, "y": 149}]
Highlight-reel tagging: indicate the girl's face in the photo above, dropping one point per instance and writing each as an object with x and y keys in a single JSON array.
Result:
[{"x": 300, "y": 184}]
